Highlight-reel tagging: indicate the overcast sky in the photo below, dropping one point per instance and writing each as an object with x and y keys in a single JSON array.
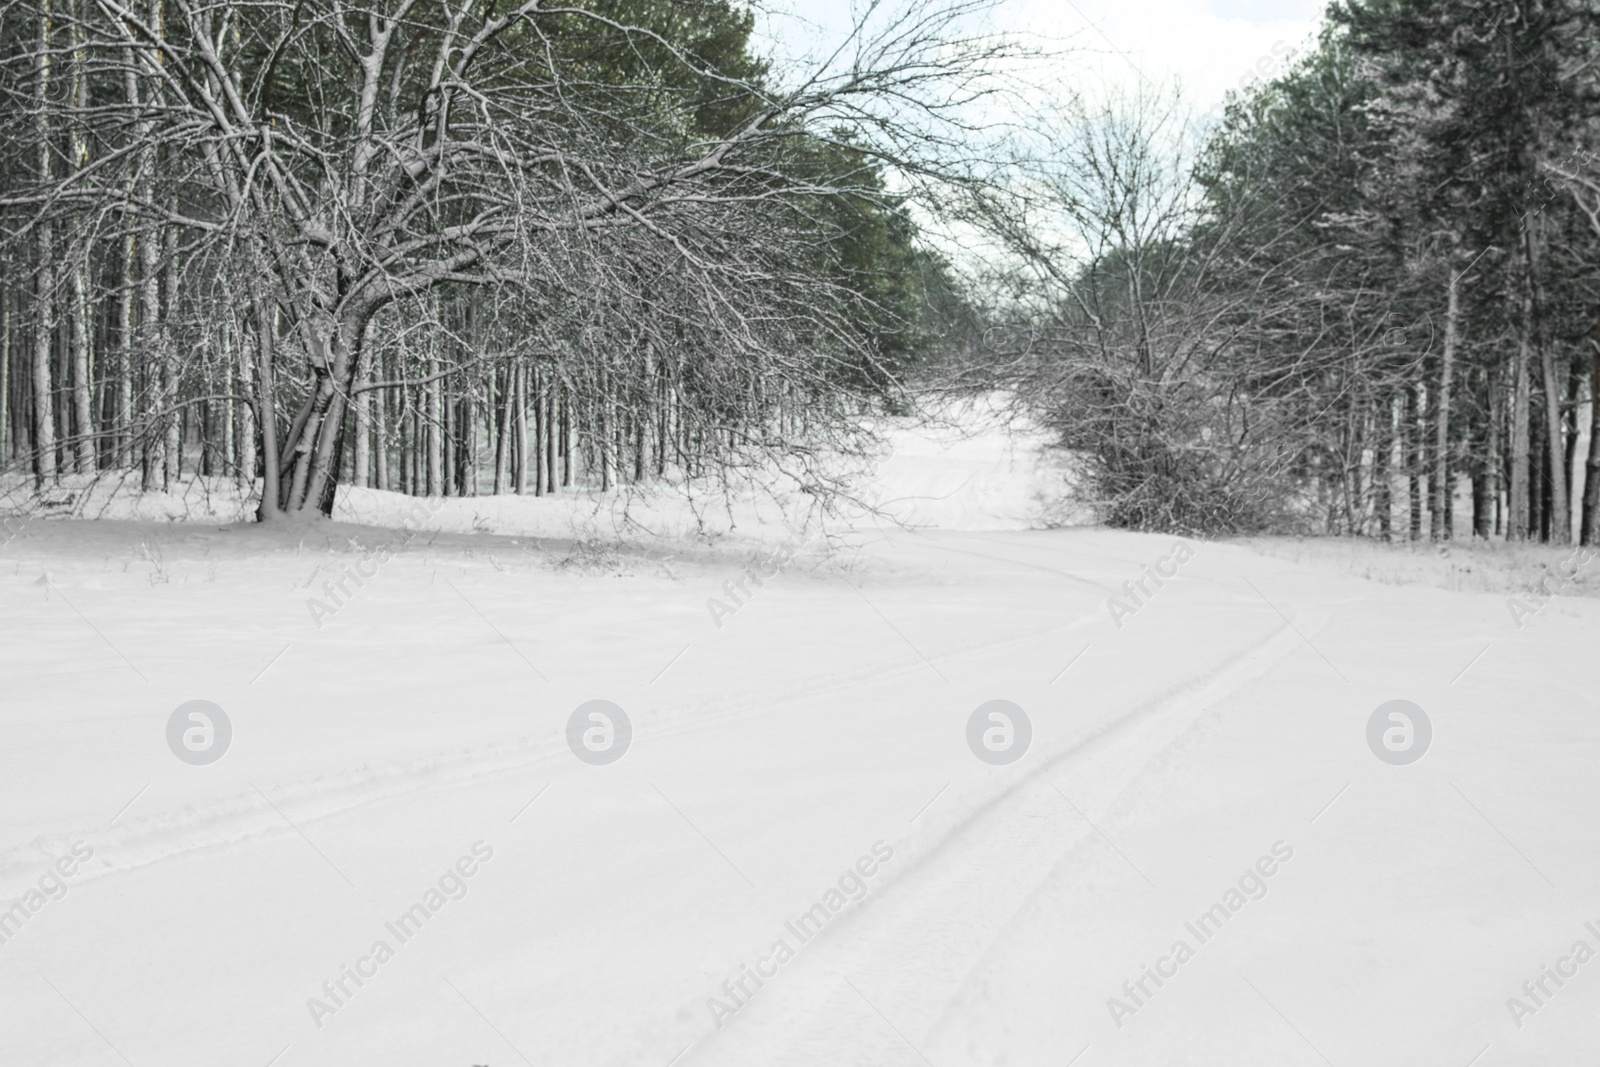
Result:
[{"x": 1209, "y": 44}]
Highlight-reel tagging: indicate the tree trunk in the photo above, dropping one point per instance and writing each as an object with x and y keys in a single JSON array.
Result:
[
  {"x": 519, "y": 435},
  {"x": 229, "y": 432},
  {"x": 44, "y": 416},
  {"x": 502, "y": 428},
  {"x": 544, "y": 433},
  {"x": 1559, "y": 513},
  {"x": 245, "y": 422},
  {"x": 1411, "y": 429},
  {"x": 466, "y": 450},
  {"x": 1518, "y": 504},
  {"x": 663, "y": 423},
  {"x": 1540, "y": 491},
  {"x": 1482, "y": 508},
  {"x": 1492, "y": 447},
  {"x": 1591, "y": 483},
  {"x": 82, "y": 386},
  {"x": 268, "y": 508},
  {"x": 1382, "y": 468},
  {"x": 360, "y": 476},
  {"x": 551, "y": 427},
  {"x": 607, "y": 436},
  {"x": 122, "y": 410},
  {"x": 408, "y": 482},
  {"x": 5, "y": 373},
  {"x": 1441, "y": 446},
  {"x": 408, "y": 446},
  {"x": 435, "y": 422},
  {"x": 172, "y": 449},
  {"x": 381, "y": 401},
  {"x": 641, "y": 423},
  {"x": 150, "y": 326},
  {"x": 1570, "y": 412},
  {"x": 566, "y": 439}
]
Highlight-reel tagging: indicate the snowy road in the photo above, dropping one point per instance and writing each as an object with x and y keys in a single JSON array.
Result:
[{"x": 810, "y": 752}]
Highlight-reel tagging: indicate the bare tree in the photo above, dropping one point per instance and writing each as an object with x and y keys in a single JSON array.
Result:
[{"x": 355, "y": 171}]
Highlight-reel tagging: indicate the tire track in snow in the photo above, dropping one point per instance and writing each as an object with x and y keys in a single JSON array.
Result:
[
  {"x": 156, "y": 836},
  {"x": 957, "y": 885}
]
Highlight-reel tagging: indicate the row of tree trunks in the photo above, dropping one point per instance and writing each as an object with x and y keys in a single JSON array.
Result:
[
  {"x": 532, "y": 446},
  {"x": 1401, "y": 456}
]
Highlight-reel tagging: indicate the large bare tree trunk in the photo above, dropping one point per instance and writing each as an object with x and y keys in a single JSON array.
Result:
[{"x": 316, "y": 470}]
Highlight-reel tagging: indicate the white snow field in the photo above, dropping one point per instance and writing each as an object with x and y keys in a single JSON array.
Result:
[{"x": 1199, "y": 772}]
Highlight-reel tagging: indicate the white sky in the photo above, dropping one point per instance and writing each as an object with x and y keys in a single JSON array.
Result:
[{"x": 1208, "y": 44}]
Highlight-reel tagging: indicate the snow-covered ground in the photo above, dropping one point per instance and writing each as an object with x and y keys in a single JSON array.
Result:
[{"x": 799, "y": 747}]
